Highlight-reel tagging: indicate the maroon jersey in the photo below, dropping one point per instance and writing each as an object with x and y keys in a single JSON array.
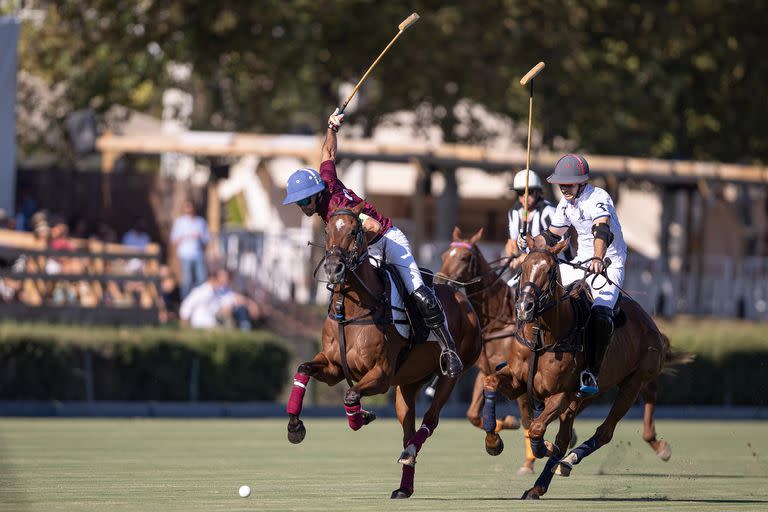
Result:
[{"x": 340, "y": 196}]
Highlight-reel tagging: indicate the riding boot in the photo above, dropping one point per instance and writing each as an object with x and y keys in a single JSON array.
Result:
[
  {"x": 434, "y": 317},
  {"x": 599, "y": 333}
]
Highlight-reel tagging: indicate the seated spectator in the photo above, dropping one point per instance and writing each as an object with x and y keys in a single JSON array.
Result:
[
  {"x": 137, "y": 236},
  {"x": 6, "y": 222},
  {"x": 169, "y": 296},
  {"x": 214, "y": 303}
]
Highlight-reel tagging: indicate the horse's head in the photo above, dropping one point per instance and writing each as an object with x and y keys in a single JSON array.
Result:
[
  {"x": 345, "y": 246},
  {"x": 460, "y": 260},
  {"x": 538, "y": 278}
]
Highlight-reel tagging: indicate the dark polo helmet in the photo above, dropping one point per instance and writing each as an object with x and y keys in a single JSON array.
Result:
[{"x": 569, "y": 170}]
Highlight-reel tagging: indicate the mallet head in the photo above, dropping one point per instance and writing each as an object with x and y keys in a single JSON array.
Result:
[
  {"x": 535, "y": 70},
  {"x": 407, "y": 22}
]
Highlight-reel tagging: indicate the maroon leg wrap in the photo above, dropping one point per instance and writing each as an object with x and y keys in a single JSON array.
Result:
[
  {"x": 297, "y": 393},
  {"x": 420, "y": 436},
  {"x": 355, "y": 416},
  {"x": 406, "y": 481}
]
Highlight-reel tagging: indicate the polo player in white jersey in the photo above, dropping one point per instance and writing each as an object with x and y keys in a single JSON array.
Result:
[{"x": 591, "y": 212}]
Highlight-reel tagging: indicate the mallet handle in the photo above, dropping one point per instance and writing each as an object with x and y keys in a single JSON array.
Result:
[
  {"x": 407, "y": 22},
  {"x": 529, "y": 76}
]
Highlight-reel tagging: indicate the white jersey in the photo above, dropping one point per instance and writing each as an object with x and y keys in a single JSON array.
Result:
[
  {"x": 539, "y": 219},
  {"x": 592, "y": 204}
]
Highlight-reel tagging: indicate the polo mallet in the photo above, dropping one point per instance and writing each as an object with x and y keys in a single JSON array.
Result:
[
  {"x": 528, "y": 78},
  {"x": 407, "y": 22}
]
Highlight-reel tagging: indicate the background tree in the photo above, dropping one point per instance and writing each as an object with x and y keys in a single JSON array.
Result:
[{"x": 679, "y": 79}]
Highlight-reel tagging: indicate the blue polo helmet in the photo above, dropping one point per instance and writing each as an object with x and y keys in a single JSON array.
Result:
[{"x": 302, "y": 184}]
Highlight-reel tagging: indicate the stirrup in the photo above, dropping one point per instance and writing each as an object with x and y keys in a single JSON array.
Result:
[
  {"x": 588, "y": 383},
  {"x": 450, "y": 355}
]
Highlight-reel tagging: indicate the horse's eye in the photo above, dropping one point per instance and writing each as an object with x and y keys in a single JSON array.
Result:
[{"x": 465, "y": 259}]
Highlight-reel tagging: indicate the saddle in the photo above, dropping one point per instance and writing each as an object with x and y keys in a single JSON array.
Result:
[
  {"x": 418, "y": 332},
  {"x": 582, "y": 303}
]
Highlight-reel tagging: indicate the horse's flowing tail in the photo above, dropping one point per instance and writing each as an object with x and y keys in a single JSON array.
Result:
[{"x": 675, "y": 359}]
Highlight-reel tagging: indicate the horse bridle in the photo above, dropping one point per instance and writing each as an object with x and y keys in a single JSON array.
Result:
[
  {"x": 351, "y": 260},
  {"x": 543, "y": 300}
]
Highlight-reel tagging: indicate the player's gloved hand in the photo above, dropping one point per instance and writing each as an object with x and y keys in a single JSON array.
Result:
[
  {"x": 522, "y": 244},
  {"x": 596, "y": 265},
  {"x": 335, "y": 120}
]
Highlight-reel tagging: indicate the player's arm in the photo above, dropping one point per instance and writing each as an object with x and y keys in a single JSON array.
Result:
[
  {"x": 601, "y": 230},
  {"x": 330, "y": 143}
]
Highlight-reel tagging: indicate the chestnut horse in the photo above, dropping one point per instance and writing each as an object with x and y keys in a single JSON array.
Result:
[
  {"x": 636, "y": 355},
  {"x": 360, "y": 342},
  {"x": 464, "y": 265}
]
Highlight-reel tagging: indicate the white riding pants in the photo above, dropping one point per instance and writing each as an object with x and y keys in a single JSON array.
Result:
[
  {"x": 394, "y": 248},
  {"x": 603, "y": 293}
]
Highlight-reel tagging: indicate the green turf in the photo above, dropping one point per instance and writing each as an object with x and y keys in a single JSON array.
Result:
[{"x": 59, "y": 464}]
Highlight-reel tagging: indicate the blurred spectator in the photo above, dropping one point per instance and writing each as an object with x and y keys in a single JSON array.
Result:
[
  {"x": 24, "y": 221},
  {"x": 60, "y": 237},
  {"x": 189, "y": 236},
  {"x": 215, "y": 303},
  {"x": 106, "y": 234},
  {"x": 80, "y": 229},
  {"x": 170, "y": 297},
  {"x": 137, "y": 236},
  {"x": 6, "y": 222}
]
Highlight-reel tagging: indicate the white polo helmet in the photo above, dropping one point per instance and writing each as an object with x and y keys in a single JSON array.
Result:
[{"x": 519, "y": 182}]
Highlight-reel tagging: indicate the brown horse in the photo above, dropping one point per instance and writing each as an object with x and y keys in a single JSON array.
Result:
[
  {"x": 465, "y": 265},
  {"x": 634, "y": 359},
  {"x": 361, "y": 343}
]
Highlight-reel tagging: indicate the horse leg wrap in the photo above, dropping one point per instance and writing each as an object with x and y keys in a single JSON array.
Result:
[
  {"x": 406, "y": 481},
  {"x": 545, "y": 478},
  {"x": 538, "y": 447},
  {"x": 489, "y": 411},
  {"x": 296, "y": 399},
  {"x": 420, "y": 437},
  {"x": 584, "y": 449},
  {"x": 355, "y": 416},
  {"x": 529, "y": 456}
]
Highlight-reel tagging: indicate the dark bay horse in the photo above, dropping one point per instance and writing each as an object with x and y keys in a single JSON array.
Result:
[
  {"x": 635, "y": 357},
  {"x": 493, "y": 301},
  {"x": 361, "y": 343}
]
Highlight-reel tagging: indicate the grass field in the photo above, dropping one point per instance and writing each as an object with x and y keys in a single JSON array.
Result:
[{"x": 140, "y": 464}]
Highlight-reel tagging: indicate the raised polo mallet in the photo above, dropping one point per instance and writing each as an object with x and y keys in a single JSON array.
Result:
[
  {"x": 528, "y": 79},
  {"x": 407, "y": 22}
]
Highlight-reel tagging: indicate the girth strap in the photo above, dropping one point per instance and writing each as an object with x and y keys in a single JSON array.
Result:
[{"x": 342, "y": 338}]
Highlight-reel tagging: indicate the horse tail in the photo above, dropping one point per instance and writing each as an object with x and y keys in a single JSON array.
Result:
[{"x": 673, "y": 360}]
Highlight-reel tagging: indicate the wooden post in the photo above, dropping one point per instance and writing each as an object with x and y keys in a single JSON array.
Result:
[{"x": 419, "y": 208}]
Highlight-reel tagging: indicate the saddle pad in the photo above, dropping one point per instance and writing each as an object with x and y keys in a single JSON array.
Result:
[{"x": 404, "y": 329}]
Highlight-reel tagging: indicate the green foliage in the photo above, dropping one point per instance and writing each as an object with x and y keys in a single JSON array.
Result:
[
  {"x": 669, "y": 79},
  {"x": 154, "y": 364}
]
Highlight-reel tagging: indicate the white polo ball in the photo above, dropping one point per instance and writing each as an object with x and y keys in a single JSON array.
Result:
[{"x": 244, "y": 491}]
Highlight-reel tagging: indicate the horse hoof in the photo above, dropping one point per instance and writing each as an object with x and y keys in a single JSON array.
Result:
[
  {"x": 401, "y": 494},
  {"x": 563, "y": 468},
  {"x": 665, "y": 451},
  {"x": 408, "y": 457},
  {"x": 368, "y": 417},
  {"x": 296, "y": 433},
  {"x": 524, "y": 471},
  {"x": 494, "y": 450},
  {"x": 530, "y": 494}
]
